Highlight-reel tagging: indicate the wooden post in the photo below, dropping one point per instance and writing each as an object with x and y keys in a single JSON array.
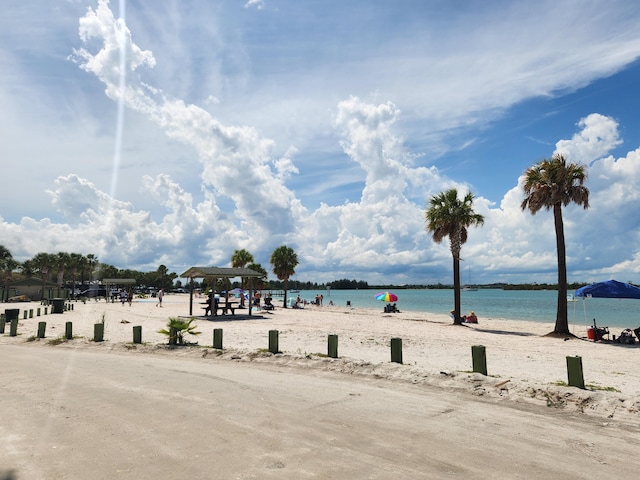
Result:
[
  {"x": 2, "y": 323},
  {"x": 31, "y": 313},
  {"x": 137, "y": 334},
  {"x": 38, "y": 312},
  {"x": 396, "y": 350},
  {"x": 479, "y": 357},
  {"x": 25, "y": 313},
  {"x": 333, "y": 346},
  {"x": 574, "y": 372},
  {"x": 68, "y": 330},
  {"x": 13, "y": 329},
  {"x": 173, "y": 336},
  {"x": 273, "y": 341},
  {"x": 42, "y": 327},
  {"x": 98, "y": 332},
  {"x": 217, "y": 338},
  {"x": 46, "y": 309}
]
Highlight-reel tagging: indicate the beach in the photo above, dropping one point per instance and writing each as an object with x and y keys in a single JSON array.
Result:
[{"x": 526, "y": 370}]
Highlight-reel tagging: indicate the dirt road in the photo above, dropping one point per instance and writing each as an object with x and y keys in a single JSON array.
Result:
[{"x": 78, "y": 414}]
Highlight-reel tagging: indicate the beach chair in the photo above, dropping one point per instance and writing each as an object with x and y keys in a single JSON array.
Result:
[{"x": 267, "y": 304}]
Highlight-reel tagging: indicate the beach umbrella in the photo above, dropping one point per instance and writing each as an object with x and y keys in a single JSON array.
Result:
[{"x": 386, "y": 297}]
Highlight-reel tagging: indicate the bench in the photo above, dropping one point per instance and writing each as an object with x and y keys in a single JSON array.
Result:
[{"x": 223, "y": 308}]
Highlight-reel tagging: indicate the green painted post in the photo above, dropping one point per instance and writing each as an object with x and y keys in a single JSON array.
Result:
[
  {"x": 13, "y": 329},
  {"x": 38, "y": 312},
  {"x": 31, "y": 313},
  {"x": 42, "y": 327},
  {"x": 396, "y": 350},
  {"x": 273, "y": 341},
  {"x": 173, "y": 336},
  {"x": 46, "y": 309},
  {"x": 574, "y": 371},
  {"x": 2, "y": 323},
  {"x": 68, "y": 330},
  {"x": 25, "y": 313},
  {"x": 217, "y": 338},
  {"x": 479, "y": 356},
  {"x": 137, "y": 334},
  {"x": 98, "y": 332},
  {"x": 333, "y": 346}
]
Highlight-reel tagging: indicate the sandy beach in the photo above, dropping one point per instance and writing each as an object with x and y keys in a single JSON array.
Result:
[{"x": 526, "y": 370}]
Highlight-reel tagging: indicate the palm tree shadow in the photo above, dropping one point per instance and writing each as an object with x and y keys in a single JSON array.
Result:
[{"x": 506, "y": 332}]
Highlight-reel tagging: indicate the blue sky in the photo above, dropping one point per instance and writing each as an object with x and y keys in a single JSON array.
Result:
[{"x": 176, "y": 132}]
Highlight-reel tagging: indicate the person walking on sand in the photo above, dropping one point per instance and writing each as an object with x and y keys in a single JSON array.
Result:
[{"x": 160, "y": 295}]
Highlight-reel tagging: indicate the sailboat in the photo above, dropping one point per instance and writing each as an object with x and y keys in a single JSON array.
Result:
[{"x": 468, "y": 287}]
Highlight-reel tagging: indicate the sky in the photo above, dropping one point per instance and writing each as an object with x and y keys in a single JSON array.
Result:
[{"x": 177, "y": 132}]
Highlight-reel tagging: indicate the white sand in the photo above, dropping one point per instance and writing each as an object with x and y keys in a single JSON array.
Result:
[{"x": 523, "y": 364}]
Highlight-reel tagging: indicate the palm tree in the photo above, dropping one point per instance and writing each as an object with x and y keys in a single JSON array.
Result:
[
  {"x": 61, "y": 262},
  {"x": 7, "y": 266},
  {"x": 240, "y": 259},
  {"x": 76, "y": 261},
  {"x": 260, "y": 281},
  {"x": 284, "y": 261},
  {"x": 43, "y": 263},
  {"x": 551, "y": 184},
  {"x": 448, "y": 216}
]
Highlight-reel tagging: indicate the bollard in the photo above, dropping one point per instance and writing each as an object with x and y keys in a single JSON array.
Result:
[
  {"x": 137, "y": 334},
  {"x": 173, "y": 336},
  {"x": 68, "y": 330},
  {"x": 13, "y": 329},
  {"x": 42, "y": 327},
  {"x": 31, "y": 313},
  {"x": 98, "y": 332},
  {"x": 273, "y": 341},
  {"x": 574, "y": 372},
  {"x": 2, "y": 323},
  {"x": 46, "y": 310},
  {"x": 479, "y": 357},
  {"x": 396, "y": 350},
  {"x": 25, "y": 314},
  {"x": 38, "y": 312},
  {"x": 333, "y": 346},
  {"x": 217, "y": 338}
]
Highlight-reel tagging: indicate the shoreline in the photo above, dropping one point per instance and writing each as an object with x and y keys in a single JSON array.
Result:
[{"x": 524, "y": 366}]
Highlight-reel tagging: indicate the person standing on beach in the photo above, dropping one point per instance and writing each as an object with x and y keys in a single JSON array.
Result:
[{"x": 160, "y": 295}]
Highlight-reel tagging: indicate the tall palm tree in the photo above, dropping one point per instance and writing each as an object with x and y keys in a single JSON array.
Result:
[
  {"x": 43, "y": 263},
  {"x": 550, "y": 184},
  {"x": 448, "y": 216},
  {"x": 61, "y": 263},
  {"x": 260, "y": 281},
  {"x": 75, "y": 264},
  {"x": 92, "y": 262},
  {"x": 284, "y": 261}
]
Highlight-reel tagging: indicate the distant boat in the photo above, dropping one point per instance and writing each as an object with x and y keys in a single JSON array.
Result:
[
  {"x": 294, "y": 291},
  {"x": 469, "y": 287}
]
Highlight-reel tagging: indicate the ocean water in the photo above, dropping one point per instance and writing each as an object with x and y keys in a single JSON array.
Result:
[{"x": 530, "y": 305}]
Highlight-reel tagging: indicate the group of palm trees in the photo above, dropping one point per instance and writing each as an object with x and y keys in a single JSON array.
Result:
[
  {"x": 47, "y": 265},
  {"x": 549, "y": 184},
  {"x": 283, "y": 261}
]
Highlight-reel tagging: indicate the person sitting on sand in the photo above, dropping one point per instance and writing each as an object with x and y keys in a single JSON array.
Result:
[{"x": 471, "y": 318}]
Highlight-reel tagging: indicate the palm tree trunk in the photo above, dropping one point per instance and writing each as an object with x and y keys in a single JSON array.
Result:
[
  {"x": 457, "y": 319},
  {"x": 562, "y": 322},
  {"x": 286, "y": 287}
]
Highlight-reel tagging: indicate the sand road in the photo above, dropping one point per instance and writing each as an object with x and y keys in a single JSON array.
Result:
[{"x": 79, "y": 414}]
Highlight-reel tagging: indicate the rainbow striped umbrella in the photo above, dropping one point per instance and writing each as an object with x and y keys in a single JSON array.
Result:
[{"x": 386, "y": 297}]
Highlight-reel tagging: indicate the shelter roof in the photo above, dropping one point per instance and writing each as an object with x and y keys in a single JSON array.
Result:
[
  {"x": 26, "y": 282},
  {"x": 219, "y": 272}
]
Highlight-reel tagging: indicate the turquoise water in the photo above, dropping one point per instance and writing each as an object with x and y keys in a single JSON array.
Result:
[{"x": 536, "y": 306}]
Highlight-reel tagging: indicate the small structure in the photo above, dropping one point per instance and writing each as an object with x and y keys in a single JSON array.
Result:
[
  {"x": 31, "y": 288},
  {"x": 215, "y": 273}
]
